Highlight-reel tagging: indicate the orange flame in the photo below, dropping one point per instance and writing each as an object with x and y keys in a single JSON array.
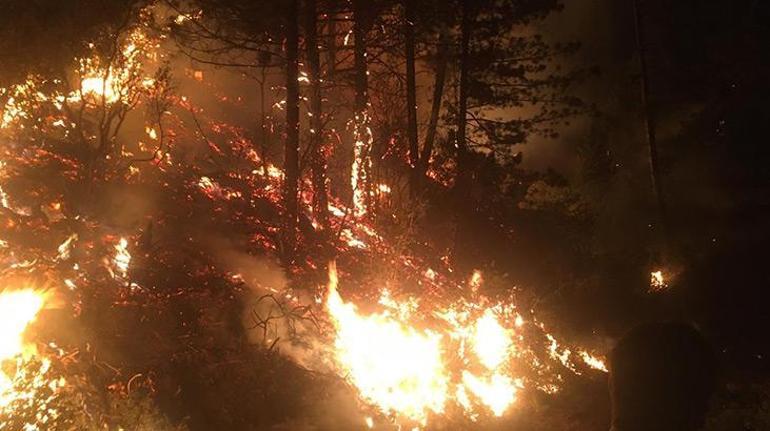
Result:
[
  {"x": 395, "y": 367},
  {"x": 18, "y": 308},
  {"x": 471, "y": 357}
]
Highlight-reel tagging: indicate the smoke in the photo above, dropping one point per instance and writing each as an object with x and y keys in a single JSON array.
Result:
[
  {"x": 605, "y": 33},
  {"x": 275, "y": 314},
  {"x": 279, "y": 317}
]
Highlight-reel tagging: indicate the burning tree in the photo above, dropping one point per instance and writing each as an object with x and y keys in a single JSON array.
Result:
[{"x": 156, "y": 222}]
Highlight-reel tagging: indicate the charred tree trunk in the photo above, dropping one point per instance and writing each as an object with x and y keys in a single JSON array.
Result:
[
  {"x": 462, "y": 111},
  {"x": 318, "y": 161},
  {"x": 411, "y": 95},
  {"x": 359, "y": 34},
  {"x": 649, "y": 118},
  {"x": 464, "y": 207},
  {"x": 264, "y": 139},
  {"x": 361, "y": 151},
  {"x": 291, "y": 150},
  {"x": 331, "y": 48},
  {"x": 435, "y": 110}
]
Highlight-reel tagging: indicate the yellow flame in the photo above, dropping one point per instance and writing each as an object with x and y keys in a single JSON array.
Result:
[
  {"x": 472, "y": 354},
  {"x": 151, "y": 132},
  {"x": 110, "y": 84},
  {"x": 497, "y": 392},
  {"x": 65, "y": 247},
  {"x": 657, "y": 281},
  {"x": 122, "y": 258},
  {"x": 593, "y": 361},
  {"x": 101, "y": 87},
  {"x": 18, "y": 309},
  {"x": 492, "y": 342},
  {"x": 476, "y": 279},
  {"x": 397, "y": 368},
  {"x": 492, "y": 346},
  {"x": 362, "y": 133}
]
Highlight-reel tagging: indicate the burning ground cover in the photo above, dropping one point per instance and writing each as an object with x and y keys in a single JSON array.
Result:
[
  {"x": 469, "y": 356},
  {"x": 150, "y": 228}
]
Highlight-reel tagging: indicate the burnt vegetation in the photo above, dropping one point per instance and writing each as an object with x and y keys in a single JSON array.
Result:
[{"x": 177, "y": 179}]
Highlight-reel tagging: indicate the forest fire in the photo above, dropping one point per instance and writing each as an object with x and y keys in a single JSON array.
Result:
[
  {"x": 121, "y": 260},
  {"x": 18, "y": 308},
  {"x": 400, "y": 369},
  {"x": 300, "y": 215},
  {"x": 658, "y": 281},
  {"x": 411, "y": 368}
]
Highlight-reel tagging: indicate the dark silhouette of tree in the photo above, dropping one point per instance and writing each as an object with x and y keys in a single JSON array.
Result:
[
  {"x": 320, "y": 192},
  {"x": 43, "y": 37},
  {"x": 411, "y": 93},
  {"x": 291, "y": 144}
]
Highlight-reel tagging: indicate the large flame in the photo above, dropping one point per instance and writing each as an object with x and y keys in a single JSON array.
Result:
[
  {"x": 471, "y": 354},
  {"x": 497, "y": 392},
  {"x": 398, "y": 368},
  {"x": 18, "y": 309},
  {"x": 404, "y": 371},
  {"x": 491, "y": 342},
  {"x": 492, "y": 346}
]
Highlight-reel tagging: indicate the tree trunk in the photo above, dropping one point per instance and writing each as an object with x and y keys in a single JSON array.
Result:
[
  {"x": 659, "y": 248},
  {"x": 435, "y": 110},
  {"x": 362, "y": 135},
  {"x": 462, "y": 112},
  {"x": 331, "y": 48},
  {"x": 360, "y": 66},
  {"x": 411, "y": 95},
  {"x": 464, "y": 206},
  {"x": 318, "y": 161},
  {"x": 264, "y": 138},
  {"x": 649, "y": 117},
  {"x": 291, "y": 149}
]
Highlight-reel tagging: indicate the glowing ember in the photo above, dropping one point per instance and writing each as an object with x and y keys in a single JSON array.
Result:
[
  {"x": 362, "y": 134},
  {"x": 593, "y": 362},
  {"x": 657, "y": 281},
  {"x": 66, "y": 247},
  {"x": 562, "y": 356},
  {"x": 30, "y": 388},
  {"x": 111, "y": 84},
  {"x": 411, "y": 360},
  {"x": 384, "y": 189},
  {"x": 122, "y": 258},
  {"x": 476, "y": 280}
]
